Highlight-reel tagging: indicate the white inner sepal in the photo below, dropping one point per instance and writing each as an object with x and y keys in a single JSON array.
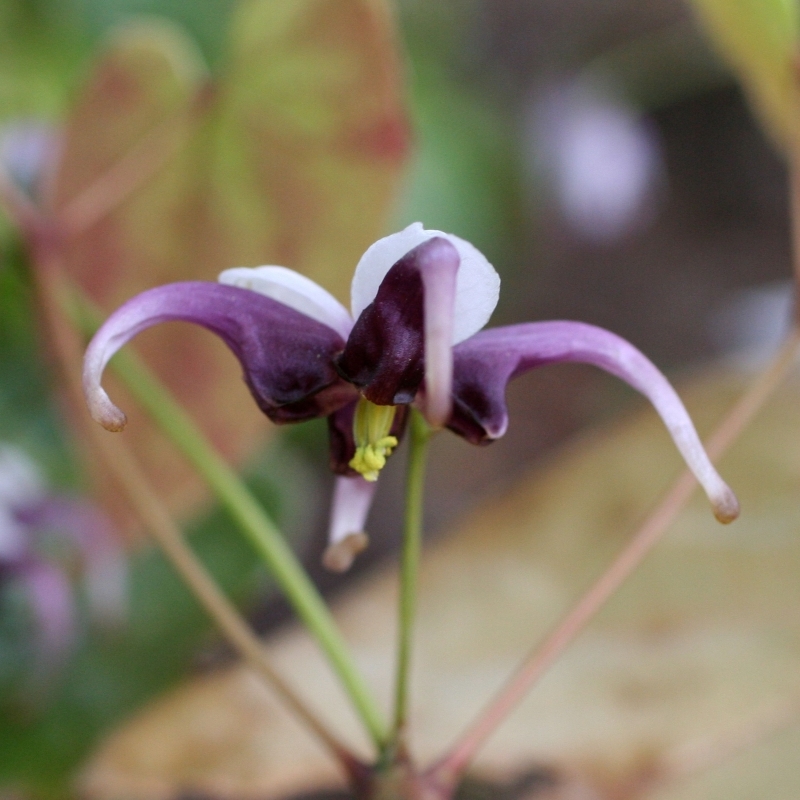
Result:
[
  {"x": 293, "y": 290},
  {"x": 352, "y": 498},
  {"x": 477, "y": 284}
]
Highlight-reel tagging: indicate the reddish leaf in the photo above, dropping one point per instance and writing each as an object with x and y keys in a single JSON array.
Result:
[{"x": 292, "y": 156}]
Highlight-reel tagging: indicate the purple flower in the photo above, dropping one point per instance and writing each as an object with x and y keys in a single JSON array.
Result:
[
  {"x": 31, "y": 518},
  {"x": 419, "y": 301}
]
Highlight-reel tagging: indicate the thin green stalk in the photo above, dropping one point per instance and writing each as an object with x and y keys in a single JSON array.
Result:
[
  {"x": 254, "y": 522},
  {"x": 409, "y": 567}
]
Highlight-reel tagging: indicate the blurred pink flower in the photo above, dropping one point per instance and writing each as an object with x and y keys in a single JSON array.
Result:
[
  {"x": 34, "y": 523},
  {"x": 602, "y": 159}
]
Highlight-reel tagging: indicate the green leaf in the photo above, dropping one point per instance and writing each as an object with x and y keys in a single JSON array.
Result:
[
  {"x": 464, "y": 184},
  {"x": 760, "y": 39},
  {"x": 38, "y": 62}
]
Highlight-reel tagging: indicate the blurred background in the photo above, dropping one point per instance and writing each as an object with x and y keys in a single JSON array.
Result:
[{"x": 599, "y": 154}]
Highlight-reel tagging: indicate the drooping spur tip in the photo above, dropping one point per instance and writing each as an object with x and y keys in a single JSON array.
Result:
[
  {"x": 103, "y": 411},
  {"x": 352, "y": 498},
  {"x": 339, "y": 556},
  {"x": 726, "y": 506},
  {"x": 724, "y": 502}
]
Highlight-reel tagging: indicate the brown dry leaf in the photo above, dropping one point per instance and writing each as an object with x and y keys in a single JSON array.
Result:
[
  {"x": 291, "y": 157},
  {"x": 703, "y": 639}
]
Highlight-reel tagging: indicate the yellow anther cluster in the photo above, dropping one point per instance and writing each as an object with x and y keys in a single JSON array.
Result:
[
  {"x": 370, "y": 459},
  {"x": 371, "y": 426}
]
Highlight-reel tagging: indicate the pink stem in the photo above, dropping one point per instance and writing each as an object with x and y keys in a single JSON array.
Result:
[{"x": 450, "y": 768}]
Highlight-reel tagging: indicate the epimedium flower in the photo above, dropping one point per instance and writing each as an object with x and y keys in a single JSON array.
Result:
[{"x": 419, "y": 301}]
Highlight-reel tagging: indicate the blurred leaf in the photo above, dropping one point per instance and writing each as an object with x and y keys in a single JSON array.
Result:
[
  {"x": 291, "y": 157},
  {"x": 38, "y": 62},
  {"x": 760, "y": 38},
  {"x": 697, "y": 644},
  {"x": 466, "y": 170},
  {"x": 206, "y": 22},
  {"x": 38, "y": 65},
  {"x": 465, "y": 176}
]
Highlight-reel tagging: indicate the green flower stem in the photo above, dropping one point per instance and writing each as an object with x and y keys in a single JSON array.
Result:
[
  {"x": 254, "y": 522},
  {"x": 409, "y": 567}
]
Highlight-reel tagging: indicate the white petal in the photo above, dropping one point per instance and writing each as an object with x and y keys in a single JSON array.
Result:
[
  {"x": 293, "y": 290},
  {"x": 477, "y": 285},
  {"x": 352, "y": 498}
]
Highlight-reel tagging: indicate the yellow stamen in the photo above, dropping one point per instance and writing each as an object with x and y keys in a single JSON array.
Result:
[{"x": 371, "y": 426}]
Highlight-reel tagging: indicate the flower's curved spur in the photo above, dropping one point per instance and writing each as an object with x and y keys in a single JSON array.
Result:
[
  {"x": 486, "y": 362},
  {"x": 287, "y": 357},
  {"x": 419, "y": 299}
]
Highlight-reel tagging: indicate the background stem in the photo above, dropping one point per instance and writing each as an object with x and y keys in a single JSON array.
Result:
[
  {"x": 450, "y": 768},
  {"x": 208, "y": 594}
]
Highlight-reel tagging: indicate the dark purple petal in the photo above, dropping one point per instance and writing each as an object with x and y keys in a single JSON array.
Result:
[
  {"x": 487, "y": 361},
  {"x": 385, "y": 354},
  {"x": 342, "y": 440},
  {"x": 287, "y": 357}
]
